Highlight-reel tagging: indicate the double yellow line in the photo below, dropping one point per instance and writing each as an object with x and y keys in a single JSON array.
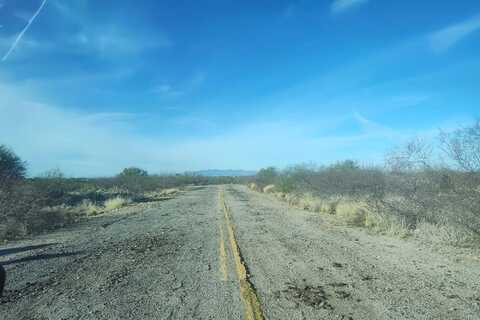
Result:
[{"x": 251, "y": 303}]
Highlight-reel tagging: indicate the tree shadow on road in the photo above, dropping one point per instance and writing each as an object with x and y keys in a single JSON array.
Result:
[
  {"x": 4, "y": 252},
  {"x": 42, "y": 257}
]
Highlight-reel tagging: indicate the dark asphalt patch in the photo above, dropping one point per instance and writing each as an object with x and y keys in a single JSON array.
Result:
[{"x": 313, "y": 296}]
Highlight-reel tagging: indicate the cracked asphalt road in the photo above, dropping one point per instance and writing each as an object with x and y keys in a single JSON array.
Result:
[{"x": 177, "y": 261}]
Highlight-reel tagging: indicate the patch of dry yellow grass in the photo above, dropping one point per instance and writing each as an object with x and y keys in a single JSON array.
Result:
[
  {"x": 89, "y": 208},
  {"x": 269, "y": 189},
  {"x": 342, "y": 211},
  {"x": 346, "y": 211},
  {"x": 169, "y": 191},
  {"x": 116, "y": 203},
  {"x": 161, "y": 194},
  {"x": 86, "y": 207}
]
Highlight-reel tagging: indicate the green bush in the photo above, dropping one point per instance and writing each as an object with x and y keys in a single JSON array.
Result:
[
  {"x": 133, "y": 172},
  {"x": 266, "y": 176},
  {"x": 12, "y": 168}
]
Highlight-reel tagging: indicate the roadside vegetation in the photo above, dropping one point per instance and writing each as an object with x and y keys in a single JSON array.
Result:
[
  {"x": 33, "y": 205},
  {"x": 430, "y": 191}
]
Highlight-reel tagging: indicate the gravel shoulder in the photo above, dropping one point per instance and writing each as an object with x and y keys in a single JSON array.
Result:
[{"x": 304, "y": 268}]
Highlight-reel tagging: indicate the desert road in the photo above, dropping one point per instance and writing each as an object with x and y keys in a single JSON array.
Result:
[{"x": 226, "y": 252}]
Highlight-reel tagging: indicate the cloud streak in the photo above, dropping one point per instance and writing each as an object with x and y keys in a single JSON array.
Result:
[
  {"x": 340, "y": 6},
  {"x": 20, "y": 35},
  {"x": 446, "y": 38}
]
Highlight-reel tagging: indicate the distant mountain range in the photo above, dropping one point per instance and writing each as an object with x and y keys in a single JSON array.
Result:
[{"x": 225, "y": 173}]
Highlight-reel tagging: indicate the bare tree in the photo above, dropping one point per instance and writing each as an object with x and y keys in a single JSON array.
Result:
[
  {"x": 414, "y": 155},
  {"x": 463, "y": 147}
]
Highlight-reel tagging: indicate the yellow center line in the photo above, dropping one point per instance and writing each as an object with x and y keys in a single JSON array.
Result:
[
  {"x": 251, "y": 303},
  {"x": 223, "y": 256}
]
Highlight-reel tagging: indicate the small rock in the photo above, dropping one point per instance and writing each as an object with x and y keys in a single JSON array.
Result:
[{"x": 177, "y": 285}]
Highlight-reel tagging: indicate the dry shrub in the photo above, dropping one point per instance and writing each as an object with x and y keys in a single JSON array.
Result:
[
  {"x": 386, "y": 224},
  {"x": 169, "y": 192},
  {"x": 89, "y": 208},
  {"x": 19, "y": 206},
  {"x": 12, "y": 229},
  {"x": 360, "y": 213},
  {"x": 159, "y": 195},
  {"x": 280, "y": 195},
  {"x": 308, "y": 202},
  {"x": 22, "y": 212},
  {"x": 269, "y": 188},
  {"x": 116, "y": 203},
  {"x": 292, "y": 199},
  {"x": 445, "y": 234},
  {"x": 50, "y": 218},
  {"x": 351, "y": 213}
]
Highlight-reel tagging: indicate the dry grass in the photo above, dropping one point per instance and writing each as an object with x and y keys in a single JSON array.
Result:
[
  {"x": 310, "y": 202},
  {"x": 351, "y": 212},
  {"x": 386, "y": 224},
  {"x": 347, "y": 212},
  {"x": 161, "y": 194},
  {"x": 269, "y": 189},
  {"x": 116, "y": 203},
  {"x": 253, "y": 186},
  {"x": 89, "y": 208},
  {"x": 445, "y": 235},
  {"x": 355, "y": 213},
  {"x": 11, "y": 229},
  {"x": 170, "y": 192}
]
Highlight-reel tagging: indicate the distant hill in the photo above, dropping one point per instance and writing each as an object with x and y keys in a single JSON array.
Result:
[{"x": 225, "y": 173}]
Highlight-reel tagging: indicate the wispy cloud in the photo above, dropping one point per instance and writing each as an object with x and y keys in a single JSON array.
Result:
[
  {"x": 339, "y": 6},
  {"x": 111, "y": 117},
  {"x": 1, "y": 7},
  {"x": 28, "y": 44},
  {"x": 371, "y": 127},
  {"x": 166, "y": 90},
  {"x": 198, "y": 78},
  {"x": 115, "y": 40},
  {"x": 22, "y": 15},
  {"x": 444, "y": 39},
  {"x": 20, "y": 35}
]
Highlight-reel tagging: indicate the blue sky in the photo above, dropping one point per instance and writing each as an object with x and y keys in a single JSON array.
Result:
[{"x": 94, "y": 86}]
